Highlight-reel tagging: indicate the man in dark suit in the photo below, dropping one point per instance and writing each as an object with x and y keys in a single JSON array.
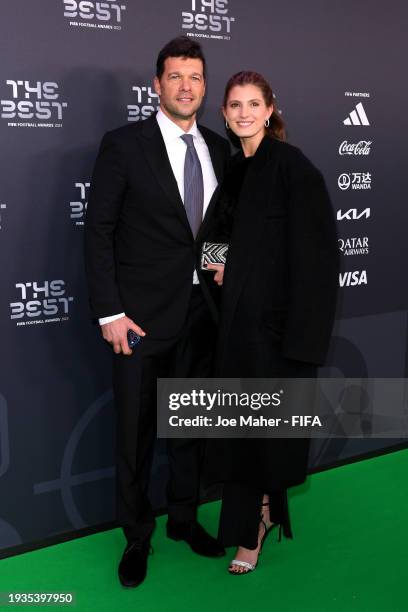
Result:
[{"x": 153, "y": 192}]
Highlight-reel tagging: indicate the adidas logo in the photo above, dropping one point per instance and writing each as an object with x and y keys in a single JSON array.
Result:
[{"x": 357, "y": 116}]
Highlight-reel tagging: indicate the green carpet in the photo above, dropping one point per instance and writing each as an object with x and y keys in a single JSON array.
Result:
[{"x": 349, "y": 552}]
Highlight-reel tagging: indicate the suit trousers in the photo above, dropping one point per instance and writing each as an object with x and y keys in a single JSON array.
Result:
[{"x": 188, "y": 354}]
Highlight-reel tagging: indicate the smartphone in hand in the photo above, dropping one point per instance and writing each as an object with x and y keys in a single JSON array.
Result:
[{"x": 133, "y": 338}]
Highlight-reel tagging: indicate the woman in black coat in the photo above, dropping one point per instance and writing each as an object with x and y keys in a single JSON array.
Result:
[{"x": 277, "y": 305}]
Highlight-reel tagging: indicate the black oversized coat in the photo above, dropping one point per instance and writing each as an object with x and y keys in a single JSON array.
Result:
[{"x": 278, "y": 299}]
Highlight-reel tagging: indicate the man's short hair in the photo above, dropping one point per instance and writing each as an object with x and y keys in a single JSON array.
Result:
[{"x": 182, "y": 46}]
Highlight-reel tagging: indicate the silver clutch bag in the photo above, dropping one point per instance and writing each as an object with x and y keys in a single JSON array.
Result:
[{"x": 213, "y": 253}]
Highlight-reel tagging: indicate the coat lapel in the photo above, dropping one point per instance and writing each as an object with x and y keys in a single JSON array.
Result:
[
  {"x": 218, "y": 163},
  {"x": 208, "y": 214},
  {"x": 156, "y": 155},
  {"x": 216, "y": 153}
]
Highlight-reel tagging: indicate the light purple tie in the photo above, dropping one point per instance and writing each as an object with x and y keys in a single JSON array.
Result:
[{"x": 193, "y": 185}]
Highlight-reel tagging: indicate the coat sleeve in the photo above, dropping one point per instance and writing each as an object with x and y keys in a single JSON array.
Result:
[
  {"x": 313, "y": 263},
  {"x": 108, "y": 186}
]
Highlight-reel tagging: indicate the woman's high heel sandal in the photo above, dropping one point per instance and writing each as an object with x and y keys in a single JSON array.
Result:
[{"x": 249, "y": 567}]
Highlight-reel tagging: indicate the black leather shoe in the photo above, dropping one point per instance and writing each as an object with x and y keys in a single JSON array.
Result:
[
  {"x": 133, "y": 565},
  {"x": 198, "y": 539}
]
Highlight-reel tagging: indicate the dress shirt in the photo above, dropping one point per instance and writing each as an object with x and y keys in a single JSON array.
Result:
[{"x": 176, "y": 152}]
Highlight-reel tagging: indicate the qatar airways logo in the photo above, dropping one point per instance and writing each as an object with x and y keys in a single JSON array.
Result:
[
  {"x": 32, "y": 104},
  {"x": 41, "y": 302},
  {"x": 363, "y": 147},
  {"x": 208, "y": 19},
  {"x": 147, "y": 102},
  {"x": 105, "y": 15},
  {"x": 354, "y": 246}
]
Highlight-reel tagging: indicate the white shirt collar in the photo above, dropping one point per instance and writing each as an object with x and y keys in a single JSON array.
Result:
[{"x": 170, "y": 130}]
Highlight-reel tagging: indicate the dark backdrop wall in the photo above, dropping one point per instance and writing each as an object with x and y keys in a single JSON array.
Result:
[{"x": 70, "y": 71}]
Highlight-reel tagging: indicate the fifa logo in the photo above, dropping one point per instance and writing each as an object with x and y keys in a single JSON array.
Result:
[
  {"x": 209, "y": 15},
  {"x": 41, "y": 299},
  {"x": 147, "y": 103},
  {"x": 78, "y": 208},
  {"x": 33, "y": 101},
  {"x": 109, "y": 10}
]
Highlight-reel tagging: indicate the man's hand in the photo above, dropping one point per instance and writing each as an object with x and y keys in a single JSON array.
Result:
[
  {"x": 219, "y": 272},
  {"x": 116, "y": 334}
]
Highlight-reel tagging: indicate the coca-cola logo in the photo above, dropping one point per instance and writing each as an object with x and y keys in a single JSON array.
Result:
[{"x": 363, "y": 147}]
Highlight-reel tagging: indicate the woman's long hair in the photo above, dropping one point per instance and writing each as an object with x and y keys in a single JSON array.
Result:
[{"x": 276, "y": 128}]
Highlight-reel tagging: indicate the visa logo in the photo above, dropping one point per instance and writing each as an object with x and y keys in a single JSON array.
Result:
[{"x": 350, "y": 279}]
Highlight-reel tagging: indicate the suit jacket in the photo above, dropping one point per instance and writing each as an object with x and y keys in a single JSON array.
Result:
[
  {"x": 139, "y": 249},
  {"x": 281, "y": 276}
]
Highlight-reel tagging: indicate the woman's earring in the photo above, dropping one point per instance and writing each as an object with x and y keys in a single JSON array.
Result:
[
  {"x": 226, "y": 125},
  {"x": 267, "y": 123}
]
